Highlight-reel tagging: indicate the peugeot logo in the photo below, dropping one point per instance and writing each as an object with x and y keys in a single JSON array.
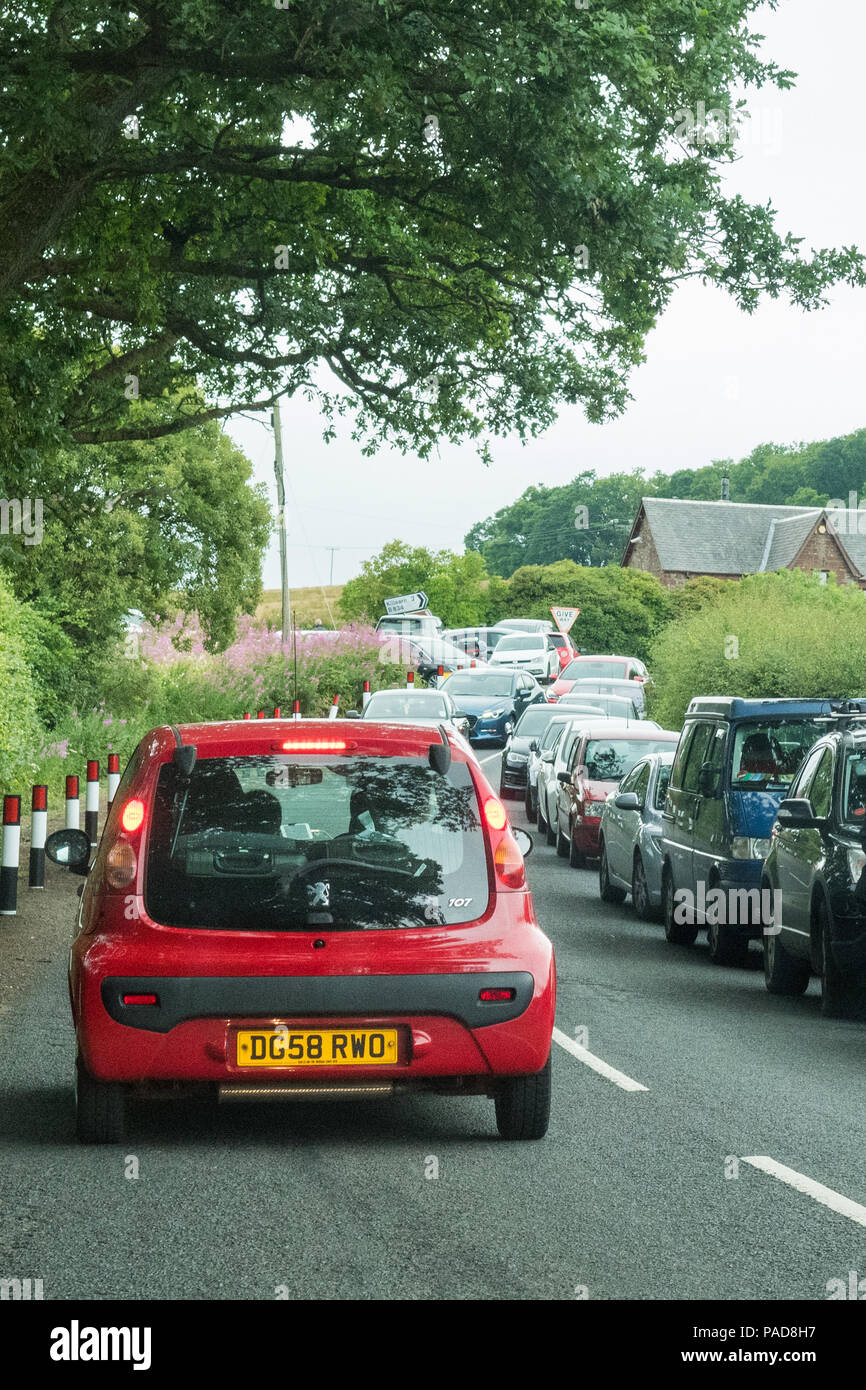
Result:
[{"x": 319, "y": 894}]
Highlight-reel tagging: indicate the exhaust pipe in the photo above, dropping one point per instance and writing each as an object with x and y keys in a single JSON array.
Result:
[{"x": 239, "y": 1091}]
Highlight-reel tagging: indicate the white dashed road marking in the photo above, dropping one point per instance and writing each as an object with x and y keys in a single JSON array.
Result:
[
  {"x": 589, "y": 1059},
  {"x": 816, "y": 1190}
]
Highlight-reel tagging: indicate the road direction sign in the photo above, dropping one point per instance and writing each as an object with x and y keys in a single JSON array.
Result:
[
  {"x": 564, "y": 617},
  {"x": 406, "y": 603}
]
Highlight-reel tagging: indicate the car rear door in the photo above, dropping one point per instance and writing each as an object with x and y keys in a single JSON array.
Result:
[
  {"x": 621, "y": 827},
  {"x": 677, "y": 819},
  {"x": 800, "y": 851},
  {"x": 708, "y": 837}
]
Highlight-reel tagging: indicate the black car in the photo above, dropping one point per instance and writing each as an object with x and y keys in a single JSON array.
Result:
[
  {"x": 813, "y": 885},
  {"x": 496, "y": 696},
  {"x": 531, "y": 727}
]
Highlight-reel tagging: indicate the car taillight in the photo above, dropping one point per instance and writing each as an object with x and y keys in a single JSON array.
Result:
[
  {"x": 508, "y": 863},
  {"x": 496, "y": 996},
  {"x": 120, "y": 864},
  {"x": 495, "y": 813},
  {"x": 140, "y": 999},
  {"x": 132, "y": 816}
]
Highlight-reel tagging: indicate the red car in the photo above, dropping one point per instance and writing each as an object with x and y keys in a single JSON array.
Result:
[
  {"x": 282, "y": 909},
  {"x": 605, "y": 752},
  {"x": 602, "y": 668}
]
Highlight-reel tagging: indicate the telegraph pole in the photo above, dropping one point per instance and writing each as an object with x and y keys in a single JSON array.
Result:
[{"x": 280, "y": 470}]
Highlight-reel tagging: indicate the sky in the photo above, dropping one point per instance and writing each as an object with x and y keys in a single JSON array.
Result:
[{"x": 716, "y": 382}]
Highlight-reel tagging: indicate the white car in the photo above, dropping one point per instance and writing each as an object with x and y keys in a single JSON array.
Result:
[
  {"x": 538, "y": 750},
  {"x": 556, "y": 760},
  {"x": 528, "y": 651}
]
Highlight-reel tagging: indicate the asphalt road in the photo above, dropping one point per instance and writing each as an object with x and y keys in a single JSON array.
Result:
[{"x": 634, "y": 1194}]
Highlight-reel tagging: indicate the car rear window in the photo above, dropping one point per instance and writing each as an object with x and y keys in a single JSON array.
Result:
[
  {"x": 534, "y": 721},
  {"x": 406, "y": 705},
  {"x": 611, "y": 759},
  {"x": 273, "y": 843},
  {"x": 596, "y": 670}
]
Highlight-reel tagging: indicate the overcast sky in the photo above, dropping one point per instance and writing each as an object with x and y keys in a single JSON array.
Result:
[{"x": 716, "y": 381}]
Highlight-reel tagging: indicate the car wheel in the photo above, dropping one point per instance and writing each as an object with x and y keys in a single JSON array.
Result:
[
  {"x": 783, "y": 973},
  {"x": 528, "y": 806},
  {"x": 100, "y": 1108},
  {"x": 640, "y": 890},
  {"x": 541, "y": 819},
  {"x": 552, "y": 831},
  {"x": 608, "y": 892},
  {"x": 575, "y": 858},
  {"x": 562, "y": 843},
  {"x": 840, "y": 997},
  {"x": 677, "y": 933},
  {"x": 728, "y": 946},
  {"x": 523, "y": 1105}
]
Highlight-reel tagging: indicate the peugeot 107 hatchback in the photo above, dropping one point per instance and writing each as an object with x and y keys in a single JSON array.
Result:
[{"x": 290, "y": 910}]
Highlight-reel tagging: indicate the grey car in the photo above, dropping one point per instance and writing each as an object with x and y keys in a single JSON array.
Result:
[{"x": 631, "y": 835}]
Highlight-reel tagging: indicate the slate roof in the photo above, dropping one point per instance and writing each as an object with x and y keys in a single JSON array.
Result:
[{"x": 740, "y": 537}]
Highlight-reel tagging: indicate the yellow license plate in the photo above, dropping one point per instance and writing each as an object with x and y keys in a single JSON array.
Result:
[{"x": 321, "y": 1047}]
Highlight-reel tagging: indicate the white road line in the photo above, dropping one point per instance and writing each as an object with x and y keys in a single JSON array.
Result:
[
  {"x": 825, "y": 1195},
  {"x": 489, "y": 757},
  {"x": 589, "y": 1059}
]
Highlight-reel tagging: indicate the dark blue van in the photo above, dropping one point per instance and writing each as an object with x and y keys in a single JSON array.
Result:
[{"x": 734, "y": 763}]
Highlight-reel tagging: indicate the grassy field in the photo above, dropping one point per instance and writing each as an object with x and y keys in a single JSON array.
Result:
[{"x": 307, "y": 605}]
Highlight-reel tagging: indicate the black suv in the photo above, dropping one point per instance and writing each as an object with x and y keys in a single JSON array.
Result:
[{"x": 815, "y": 866}]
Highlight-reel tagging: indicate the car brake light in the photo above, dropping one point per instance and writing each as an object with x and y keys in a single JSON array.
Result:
[
  {"x": 495, "y": 813},
  {"x": 496, "y": 996},
  {"x": 140, "y": 999},
  {"x": 315, "y": 745},
  {"x": 120, "y": 864},
  {"x": 508, "y": 863},
  {"x": 132, "y": 815}
]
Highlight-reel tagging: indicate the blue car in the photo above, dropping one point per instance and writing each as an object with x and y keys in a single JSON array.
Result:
[
  {"x": 495, "y": 699},
  {"x": 734, "y": 763}
]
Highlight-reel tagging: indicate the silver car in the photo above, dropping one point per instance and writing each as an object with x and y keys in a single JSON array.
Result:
[{"x": 630, "y": 836}]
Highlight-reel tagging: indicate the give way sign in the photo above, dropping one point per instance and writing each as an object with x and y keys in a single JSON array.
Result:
[{"x": 564, "y": 617}]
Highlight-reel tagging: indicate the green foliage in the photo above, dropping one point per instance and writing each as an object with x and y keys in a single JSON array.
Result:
[
  {"x": 766, "y": 635},
  {"x": 620, "y": 610},
  {"x": 20, "y": 731},
  {"x": 218, "y": 246},
  {"x": 456, "y": 585}
]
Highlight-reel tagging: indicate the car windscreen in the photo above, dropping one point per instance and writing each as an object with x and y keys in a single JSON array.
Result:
[
  {"x": 533, "y": 722},
  {"x": 766, "y": 753},
  {"x": 595, "y": 670},
  {"x": 489, "y": 683},
  {"x": 273, "y": 843},
  {"x": 611, "y": 759},
  {"x": 529, "y": 643},
  {"x": 396, "y": 704}
]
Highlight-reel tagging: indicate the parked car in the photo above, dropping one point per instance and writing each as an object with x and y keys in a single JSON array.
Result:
[
  {"x": 630, "y": 836},
  {"x": 735, "y": 762},
  {"x": 497, "y": 699},
  {"x": 475, "y": 641},
  {"x": 588, "y": 689},
  {"x": 244, "y": 845},
  {"x": 531, "y": 727},
  {"x": 614, "y": 706},
  {"x": 534, "y": 652},
  {"x": 415, "y": 707},
  {"x": 542, "y": 751},
  {"x": 604, "y": 753},
  {"x": 815, "y": 867}
]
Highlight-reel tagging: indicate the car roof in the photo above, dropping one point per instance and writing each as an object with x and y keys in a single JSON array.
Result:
[
  {"x": 240, "y": 737},
  {"x": 634, "y": 728},
  {"x": 607, "y": 656},
  {"x": 734, "y": 707}
]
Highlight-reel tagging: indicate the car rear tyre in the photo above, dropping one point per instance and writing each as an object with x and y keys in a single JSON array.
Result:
[
  {"x": 783, "y": 973},
  {"x": 640, "y": 890},
  {"x": 575, "y": 858},
  {"x": 528, "y": 806},
  {"x": 728, "y": 946},
  {"x": 552, "y": 832},
  {"x": 678, "y": 933},
  {"x": 562, "y": 843},
  {"x": 840, "y": 997},
  {"x": 100, "y": 1108},
  {"x": 608, "y": 892},
  {"x": 523, "y": 1105},
  {"x": 541, "y": 819}
]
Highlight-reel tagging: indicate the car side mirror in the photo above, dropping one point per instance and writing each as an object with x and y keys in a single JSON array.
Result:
[
  {"x": 533, "y": 745},
  {"x": 708, "y": 783},
  {"x": 797, "y": 813},
  {"x": 352, "y": 714},
  {"x": 564, "y": 778},
  {"x": 627, "y": 801},
  {"x": 70, "y": 849},
  {"x": 524, "y": 842}
]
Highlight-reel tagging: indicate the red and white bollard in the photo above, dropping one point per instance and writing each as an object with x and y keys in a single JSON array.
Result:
[
  {"x": 91, "y": 803},
  {"x": 260, "y": 714},
  {"x": 335, "y": 707},
  {"x": 410, "y": 680},
  {"x": 278, "y": 713},
  {"x": 73, "y": 805},
  {"x": 296, "y": 709},
  {"x": 113, "y": 776},
  {"x": 246, "y": 715},
  {"x": 11, "y": 851},
  {"x": 365, "y": 698},
  {"x": 38, "y": 832}
]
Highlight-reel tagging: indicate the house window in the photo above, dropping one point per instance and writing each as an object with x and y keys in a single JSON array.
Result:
[{"x": 822, "y": 576}]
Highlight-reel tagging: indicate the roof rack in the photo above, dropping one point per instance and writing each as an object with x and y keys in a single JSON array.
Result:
[{"x": 845, "y": 713}]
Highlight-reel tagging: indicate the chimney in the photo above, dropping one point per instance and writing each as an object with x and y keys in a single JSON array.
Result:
[{"x": 726, "y": 488}]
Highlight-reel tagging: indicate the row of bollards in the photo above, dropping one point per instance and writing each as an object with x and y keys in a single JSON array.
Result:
[{"x": 11, "y": 852}]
